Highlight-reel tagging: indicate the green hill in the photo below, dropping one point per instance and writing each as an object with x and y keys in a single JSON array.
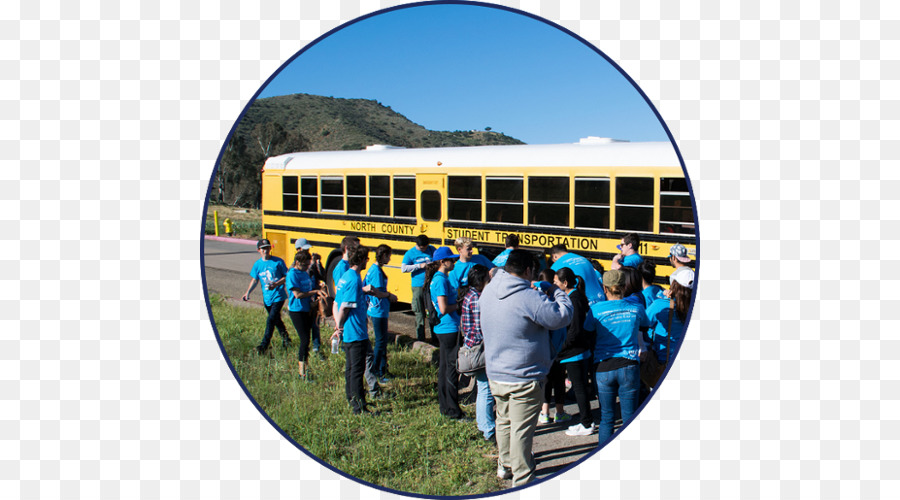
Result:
[
  {"x": 331, "y": 124},
  {"x": 303, "y": 122}
]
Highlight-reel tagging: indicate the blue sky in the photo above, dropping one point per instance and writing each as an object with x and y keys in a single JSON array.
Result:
[{"x": 462, "y": 67}]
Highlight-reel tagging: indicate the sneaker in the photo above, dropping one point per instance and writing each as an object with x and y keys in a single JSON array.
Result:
[
  {"x": 545, "y": 418},
  {"x": 568, "y": 384},
  {"x": 384, "y": 380},
  {"x": 261, "y": 349},
  {"x": 580, "y": 430},
  {"x": 562, "y": 417},
  {"x": 504, "y": 472}
]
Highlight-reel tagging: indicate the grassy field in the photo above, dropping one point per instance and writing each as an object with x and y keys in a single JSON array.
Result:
[
  {"x": 408, "y": 446},
  {"x": 247, "y": 221}
]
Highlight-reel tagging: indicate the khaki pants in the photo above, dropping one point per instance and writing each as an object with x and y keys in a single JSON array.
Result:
[{"x": 518, "y": 406}]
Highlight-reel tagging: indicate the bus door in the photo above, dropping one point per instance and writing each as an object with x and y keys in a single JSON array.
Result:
[
  {"x": 431, "y": 191},
  {"x": 280, "y": 244}
]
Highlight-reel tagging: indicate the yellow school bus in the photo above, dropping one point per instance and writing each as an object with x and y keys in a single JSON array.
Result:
[{"x": 586, "y": 195}]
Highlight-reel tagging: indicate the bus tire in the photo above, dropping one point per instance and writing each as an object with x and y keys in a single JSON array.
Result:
[{"x": 333, "y": 260}]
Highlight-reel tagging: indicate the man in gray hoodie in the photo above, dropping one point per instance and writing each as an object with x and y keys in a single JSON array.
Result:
[{"x": 516, "y": 319}]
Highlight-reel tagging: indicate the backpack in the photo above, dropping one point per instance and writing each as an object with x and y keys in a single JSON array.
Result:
[{"x": 434, "y": 317}]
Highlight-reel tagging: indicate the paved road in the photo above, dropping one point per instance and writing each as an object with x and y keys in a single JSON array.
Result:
[{"x": 227, "y": 266}]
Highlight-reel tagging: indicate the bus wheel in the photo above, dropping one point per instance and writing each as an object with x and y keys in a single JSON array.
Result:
[{"x": 329, "y": 281}]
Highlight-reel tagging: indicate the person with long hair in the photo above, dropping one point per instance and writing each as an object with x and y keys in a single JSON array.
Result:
[
  {"x": 444, "y": 300},
  {"x": 575, "y": 353},
  {"x": 616, "y": 352},
  {"x": 633, "y": 287},
  {"x": 667, "y": 329},
  {"x": 647, "y": 271},
  {"x": 470, "y": 320},
  {"x": 302, "y": 289},
  {"x": 555, "y": 388},
  {"x": 379, "y": 309}
]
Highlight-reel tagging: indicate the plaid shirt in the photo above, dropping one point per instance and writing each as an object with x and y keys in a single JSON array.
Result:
[{"x": 471, "y": 318}]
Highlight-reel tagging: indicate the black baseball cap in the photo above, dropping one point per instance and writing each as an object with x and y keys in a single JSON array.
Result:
[{"x": 263, "y": 243}]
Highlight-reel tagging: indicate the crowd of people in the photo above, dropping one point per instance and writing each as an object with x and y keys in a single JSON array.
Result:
[{"x": 607, "y": 334}]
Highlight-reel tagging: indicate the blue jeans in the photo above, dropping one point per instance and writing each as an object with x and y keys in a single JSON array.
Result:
[
  {"x": 624, "y": 382},
  {"x": 484, "y": 405},
  {"x": 379, "y": 363},
  {"x": 273, "y": 322}
]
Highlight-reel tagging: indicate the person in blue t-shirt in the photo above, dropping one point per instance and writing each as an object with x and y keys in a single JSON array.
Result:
[
  {"x": 444, "y": 300},
  {"x": 581, "y": 267},
  {"x": 348, "y": 245},
  {"x": 302, "y": 289},
  {"x": 512, "y": 243},
  {"x": 629, "y": 252},
  {"x": 272, "y": 272},
  {"x": 459, "y": 277},
  {"x": 667, "y": 329},
  {"x": 379, "y": 309},
  {"x": 616, "y": 352},
  {"x": 414, "y": 262},
  {"x": 350, "y": 295},
  {"x": 650, "y": 291},
  {"x": 576, "y": 352}
]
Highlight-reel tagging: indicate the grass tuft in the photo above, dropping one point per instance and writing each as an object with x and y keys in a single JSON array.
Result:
[{"x": 408, "y": 446}]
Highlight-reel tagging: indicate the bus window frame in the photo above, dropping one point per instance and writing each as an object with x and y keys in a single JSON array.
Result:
[
  {"x": 653, "y": 206},
  {"x": 315, "y": 196},
  {"x": 607, "y": 206},
  {"x": 567, "y": 203},
  {"x": 295, "y": 195},
  {"x": 390, "y": 204},
  {"x": 521, "y": 204},
  {"x": 480, "y": 200},
  {"x": 440, "y": 207},
  {"x": 342, "y": 196},
  {"x": 364, "y": 196},
  {"x": 395, "y": 199}
]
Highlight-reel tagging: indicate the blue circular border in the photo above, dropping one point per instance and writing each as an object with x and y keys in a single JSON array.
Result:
[{"x": 298, "y": 54}]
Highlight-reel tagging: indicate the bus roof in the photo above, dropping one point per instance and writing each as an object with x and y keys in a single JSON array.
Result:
[{"x": 584, "y": 154}]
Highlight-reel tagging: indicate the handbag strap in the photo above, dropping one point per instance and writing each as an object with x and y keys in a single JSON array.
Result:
[{"x": 669, "y": 330}]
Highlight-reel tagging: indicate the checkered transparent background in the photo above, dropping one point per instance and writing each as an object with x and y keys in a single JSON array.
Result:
[{"x": 111, "y": 118}]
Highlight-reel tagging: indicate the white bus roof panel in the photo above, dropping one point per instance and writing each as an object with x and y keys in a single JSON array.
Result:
[{"x": 619, "y": 154}]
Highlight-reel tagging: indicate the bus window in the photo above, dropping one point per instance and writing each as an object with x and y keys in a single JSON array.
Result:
[
  {"x": 634, "y": 204},
  {"x": 548, "y": 201},
  {"x": 431, "y": 205},
  {"x": 289, "y": 193},
  {"x": 405, "y": 197},
  {"x": 464, "y": 198},
  {"x": 592, "y": 202},
  {"x": 309, "y": 194},
  {"x": 380, "y": 195},
  {"x": 356, "y": 194},
  {"x": 333, "y": 194},
  {"x": 675, "y": 212},
  {"x": 504, "y": 199}
]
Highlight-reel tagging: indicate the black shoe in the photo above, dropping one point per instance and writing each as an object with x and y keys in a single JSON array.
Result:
[
  {"x": 365, "y": 412},
  {"x": 261, "y": 349}
]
